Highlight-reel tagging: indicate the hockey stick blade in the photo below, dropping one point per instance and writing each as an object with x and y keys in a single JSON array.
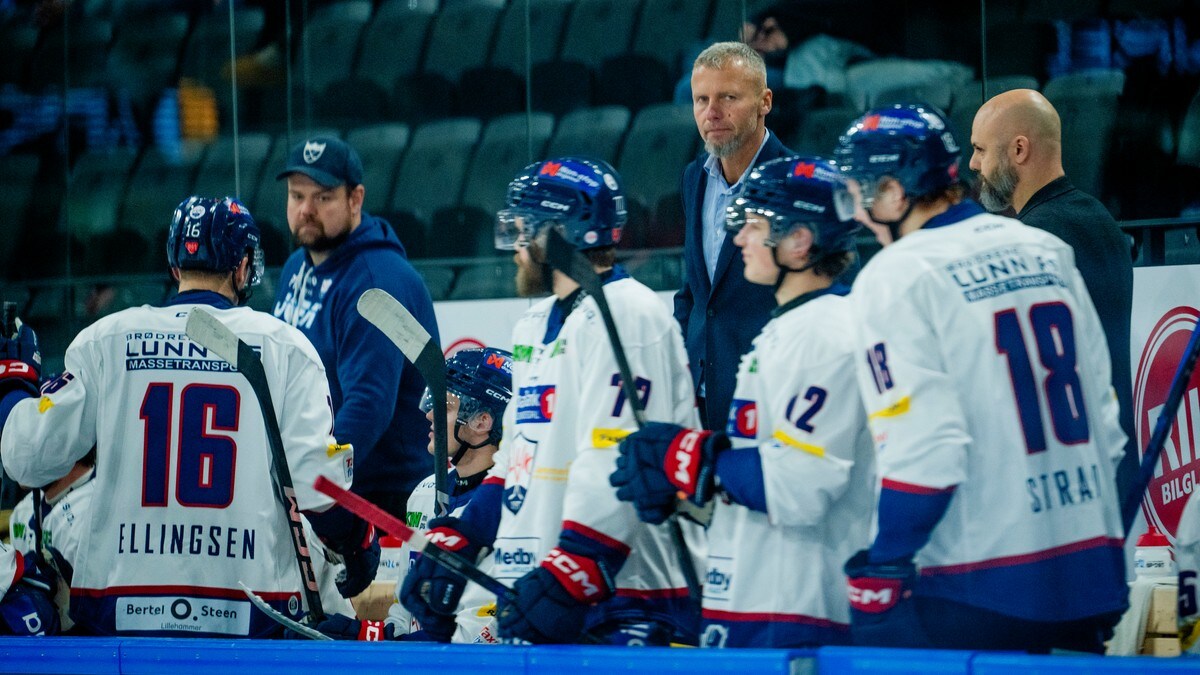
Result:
[
  {"x": 1162, "y": 428},
  {"x": 281, "y": 619},
  {"x": 410, "y": 337},
  {"x": 566, "y": 259},
  {"x": 209, "y": 332},
  {"x": 415, "y": 539}
]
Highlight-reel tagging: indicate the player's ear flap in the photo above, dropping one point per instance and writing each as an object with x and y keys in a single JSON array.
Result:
[{"x": 481, "y": 423}]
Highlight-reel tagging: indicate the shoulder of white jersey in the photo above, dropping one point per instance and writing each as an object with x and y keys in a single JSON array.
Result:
[
  {"x": 633, "y": 305},
  {"x": 823, "y": 327},
  {"x": 538, "y": 309}
]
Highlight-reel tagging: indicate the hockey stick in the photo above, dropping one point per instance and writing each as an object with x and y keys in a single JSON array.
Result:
[
  {"x": 205, "y": 329},
  {"x": 565, "y": 258},
  {"x": 280, "y": 618},
  {"x": 419, "y": 543},
  {"x": 402, "y": 328},
  {"x": 1166, "y": 420}
]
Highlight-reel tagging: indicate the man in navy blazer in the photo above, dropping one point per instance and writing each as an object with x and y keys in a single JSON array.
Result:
[{"x": 719, "y": 311}]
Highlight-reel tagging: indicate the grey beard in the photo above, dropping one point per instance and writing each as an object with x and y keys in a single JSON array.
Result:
[
  {"x": 996, "y": 193},
  {"x": 722, "y": 151}
]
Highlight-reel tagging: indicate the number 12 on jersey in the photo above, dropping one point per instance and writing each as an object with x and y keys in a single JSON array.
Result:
[
  {"x": 205, "y": 460},
  {"x": 1054, "y": 336}
]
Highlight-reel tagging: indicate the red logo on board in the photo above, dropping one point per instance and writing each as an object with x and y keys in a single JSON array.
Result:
[{"x": 1175, "y": 476}]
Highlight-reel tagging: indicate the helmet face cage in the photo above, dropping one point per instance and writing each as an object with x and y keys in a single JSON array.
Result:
[
  {"x": 214, "y": 235},
  {"x": 794, "y": 192},
  {"x": 581, "y": 196},
  {"x": 481, "y": 381},
  {"x": 911, "y": 143}
]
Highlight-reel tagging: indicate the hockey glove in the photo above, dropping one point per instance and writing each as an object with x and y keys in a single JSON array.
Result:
[
  {"x": 361, "y": 565},
  {"x": 441, "y": 630},
  {"x": 342, "y": 627},
  {"x": 662, "y": 460},
  {"x": 882, "y": 611},
  {"x": 430, "y": 591},
  {"x": 27, "y": 608},
  {"x": 20, "y": 361},
  {"x": 553, "y": 600}
]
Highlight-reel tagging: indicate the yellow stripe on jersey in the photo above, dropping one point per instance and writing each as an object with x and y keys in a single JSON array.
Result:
[
  {"x": 799, "y": 445},
  {"x": 487, "y": 610},
  {"x": 607, "y": 438},
  {"x": 1189, "y": 633},
  {"x": 337, "y": 448},
  {"x": 45, "y": 404},
  {"x": 894, "y": 410}
]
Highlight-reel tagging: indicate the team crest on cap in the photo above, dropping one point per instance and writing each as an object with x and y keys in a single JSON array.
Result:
[
  {"x": 313, "y": 151},
  {"x": 196, "y": 212}
]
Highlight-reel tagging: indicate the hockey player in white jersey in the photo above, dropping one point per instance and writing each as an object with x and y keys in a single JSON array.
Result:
[
  {"x": 792, "y": 471},
  {"x": 183, "y": 507},
  {"x": 985, "y": 374},
  {"x": 65, "y": 504},
  {"x": 478, "y": 389},
  {"x": 61, "y": 504},
  {"x": 580, "y": 559},
  {"x": 1187, "y": 557}
]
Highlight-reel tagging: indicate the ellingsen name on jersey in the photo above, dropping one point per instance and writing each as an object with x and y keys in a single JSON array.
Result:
[{"x": 185, "y": 540}]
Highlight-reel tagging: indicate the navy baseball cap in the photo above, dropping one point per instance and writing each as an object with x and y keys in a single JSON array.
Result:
[{"x": 327, "y": 160}]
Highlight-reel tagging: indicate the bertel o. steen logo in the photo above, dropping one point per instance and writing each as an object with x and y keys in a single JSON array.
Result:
[{"x": 1175, "y": 477}]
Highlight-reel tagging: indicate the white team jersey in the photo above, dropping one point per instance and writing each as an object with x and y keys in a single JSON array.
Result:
[
  {"x": 60, "y": 534},
  {"x": 183, "y": 470},
  {"x": 61, "y": 537},
  {"x": 775, "y": 579},
  {"x": 985, "y": 372},
  {"x": 1187, "y": 557},
  {"x": 476, "y": 609},
  {"x": 562, "y": 428}
]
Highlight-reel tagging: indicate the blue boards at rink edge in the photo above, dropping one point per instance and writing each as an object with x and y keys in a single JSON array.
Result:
[{"x": 174, "y": 656}]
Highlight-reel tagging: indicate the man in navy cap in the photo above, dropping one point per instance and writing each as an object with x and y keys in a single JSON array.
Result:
[{"x": 342, "y": 252}]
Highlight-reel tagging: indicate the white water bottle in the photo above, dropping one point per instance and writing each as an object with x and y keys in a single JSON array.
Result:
[
  {"x": 1152, "y": 558},
  {"x": 390, "y": 553}
]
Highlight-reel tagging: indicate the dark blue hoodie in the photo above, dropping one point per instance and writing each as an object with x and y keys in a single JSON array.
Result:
[{"x": 376, "y": 393}]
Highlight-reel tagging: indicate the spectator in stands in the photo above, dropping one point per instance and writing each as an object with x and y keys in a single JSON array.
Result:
[
  {"x": 718, "y": 310},
  {"x": 342, "y": 252},
  {"x": 1017, "y": 141},
  {"x": 797, "y": 51}
]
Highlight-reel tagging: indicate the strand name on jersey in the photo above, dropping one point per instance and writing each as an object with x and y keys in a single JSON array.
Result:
[
  {"x": 999, "y": 271},
  {"x": 180, "y": 539},
  {"x": 1063, "y": 488}
]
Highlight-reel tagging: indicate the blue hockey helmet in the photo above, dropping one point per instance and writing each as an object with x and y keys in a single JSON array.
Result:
[
  {"x": 910, "y": 142},
  {"x": 482, "y": 381},
  {"x": 214, "y": 235},
  {"x": 583, "y": 197},
  {"x": 798, "y": 191}
]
